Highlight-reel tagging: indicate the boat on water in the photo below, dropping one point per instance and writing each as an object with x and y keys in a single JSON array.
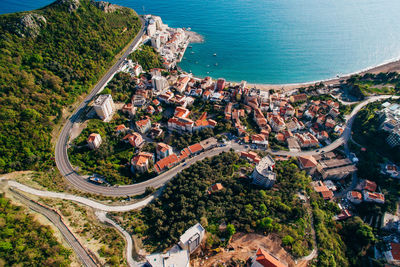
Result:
[
  {"x": 189, "y": 46},
  {"x": 192, "y": 52},
  {"x": 215, "y": 55},
  {"x": 216, "y": 64},
  {"x": 189, "y": 29}
]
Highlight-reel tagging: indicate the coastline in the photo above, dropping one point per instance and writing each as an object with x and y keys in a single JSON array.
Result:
[{"x": 389, "y": 66}]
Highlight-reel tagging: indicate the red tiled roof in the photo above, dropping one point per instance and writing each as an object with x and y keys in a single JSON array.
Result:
[
  {"x": 395, "y": 251},
  {"x": 369, "y": 185},
  {"x": 216, "y": 187},
  {"x": 267, "y": 260},
  {"x": 307, "y": 161},
  {"x": 166, "y": 162},
  {"x": 195, "y": 148}
]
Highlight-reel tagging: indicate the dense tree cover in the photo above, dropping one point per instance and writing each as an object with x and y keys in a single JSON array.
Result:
[
  {"x": 147, "y": 57},
  {"x": 112, "y": 158},
  {"x": 241, "y": 205},
  {"x": 121, "y": 87},
  {"x": 25, "y": 242},
  {"x": 41, "y": 75},
  {"x": 331, "y": 248},
  {"x": 180, "y": 141}
]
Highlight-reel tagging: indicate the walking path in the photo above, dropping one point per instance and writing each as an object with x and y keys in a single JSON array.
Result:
[
  {"x": 129, "y": 243},
  {"x": 88, "y": 202}
]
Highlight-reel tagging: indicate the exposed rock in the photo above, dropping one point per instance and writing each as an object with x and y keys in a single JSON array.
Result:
[
  {"x": 29, "y": 25},
  {"x": 71, "y": 5},
  {"x": 106, "y": 6}
]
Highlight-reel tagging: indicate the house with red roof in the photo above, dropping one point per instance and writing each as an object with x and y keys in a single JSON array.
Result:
[
  {"x": 264, "y": 259},
  {"x": 144, "y": 125},
  {"x": 308, "y": 163},
  {"x": 135, "y": 139},
  {"x": 94, "y": 141},
  {"x": 120, "y": 128},
  {"x": 163, "y": 150},
  {"x": 393, "y": 254},
  {"x": 141, "y": 162},
  {"x": 215, "y": 188},
  {"x": 166, "y": 163},
  {"x": 195, "y": 149},
  {"x": 354, "y": 197}
]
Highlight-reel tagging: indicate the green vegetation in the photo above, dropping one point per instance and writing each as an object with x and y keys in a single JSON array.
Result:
[
  {"x": 147, "y": 57},
  {"x": 25, "y": 242},
  {"x": 108, "y": 244},
  {"x": 381, "y": 84},
  {"x": 47, "y": 69},
  {"x": 112, "y": 158},
  {"x": 241, "y": 205},
  {"x": 121, "y": 87}
]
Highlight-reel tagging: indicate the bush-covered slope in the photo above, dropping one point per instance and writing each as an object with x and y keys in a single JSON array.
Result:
[
  {"x": 25, "y": 242},
  {"x": 48, "y": 57}
]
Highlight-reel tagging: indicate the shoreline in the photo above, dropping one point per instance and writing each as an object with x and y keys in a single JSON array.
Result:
[{"x": 388, "y": 66}]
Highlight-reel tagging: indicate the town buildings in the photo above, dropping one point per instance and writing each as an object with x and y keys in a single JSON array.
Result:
[
  {"x": 172, "y": 258},
  {"x": 94, "y": 141},
  {"x": 104, "y": 107}
]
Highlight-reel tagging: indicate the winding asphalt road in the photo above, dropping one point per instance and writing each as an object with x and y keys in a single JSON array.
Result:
[{"x": 66, "y": 169}]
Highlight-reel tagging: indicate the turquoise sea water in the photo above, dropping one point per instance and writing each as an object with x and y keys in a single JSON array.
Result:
[{"x": 275, "y": 41}]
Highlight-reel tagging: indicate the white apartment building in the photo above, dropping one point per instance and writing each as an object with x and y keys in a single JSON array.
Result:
[
  {"x": 94, "y": 141},
  {"x": 159, "y": 83},
  {"x": 104, "y": 107}
]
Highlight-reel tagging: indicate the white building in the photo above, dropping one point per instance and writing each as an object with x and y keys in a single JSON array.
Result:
[
  {"x": 104, "y": 107},
  {"x": 263, "y": 174},
  {"x": 94, "y": 141},
  {"x": 159, "y": 83},
  {"x": 156, "y": 42},
  {"x": 191, "y": 239},
  {"x": 176, "y": 258}
]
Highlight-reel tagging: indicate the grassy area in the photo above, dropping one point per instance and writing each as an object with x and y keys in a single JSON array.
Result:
[{"x": 106, "y": 242}]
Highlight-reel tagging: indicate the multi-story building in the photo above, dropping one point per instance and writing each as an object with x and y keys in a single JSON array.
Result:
[
  {"x": 159, "y": 83},
  {"x": 263, "y": 174},
  {"x": 192, "y": 237},
  {"x": 163, "y": 150},
  {"x": 135, "y": 139},
  {"x": 373, "y": 197},
  {"x": 143, "y": 126},
  {"x": 355, "y": 197},
  {"x": 394, "y": 138},
  {"x": 94, "y": 141},
  {"x": 220, "y": 85},
  {"x": 104, "y": 107},
  {"x": 141, "y": 162}
]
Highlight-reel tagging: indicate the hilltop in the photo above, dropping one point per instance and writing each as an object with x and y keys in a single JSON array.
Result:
[{"x": 48, "y": 58}]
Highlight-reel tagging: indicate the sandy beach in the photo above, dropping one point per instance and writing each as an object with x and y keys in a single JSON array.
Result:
[{"x": 393, "y": 66}]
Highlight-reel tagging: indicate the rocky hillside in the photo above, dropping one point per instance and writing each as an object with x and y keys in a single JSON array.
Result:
[{"x": 48, "y": 58}]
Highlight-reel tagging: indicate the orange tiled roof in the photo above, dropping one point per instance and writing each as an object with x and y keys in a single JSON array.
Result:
[
  {"x": 267, "y": 260},
  {"x": 195, "y": 148}
]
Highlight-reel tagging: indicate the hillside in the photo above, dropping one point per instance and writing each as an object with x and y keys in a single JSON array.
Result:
[{"x": 48, "y": 58}]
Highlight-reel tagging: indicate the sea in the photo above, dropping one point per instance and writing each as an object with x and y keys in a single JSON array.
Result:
[{"x": 274, "y": 41}]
